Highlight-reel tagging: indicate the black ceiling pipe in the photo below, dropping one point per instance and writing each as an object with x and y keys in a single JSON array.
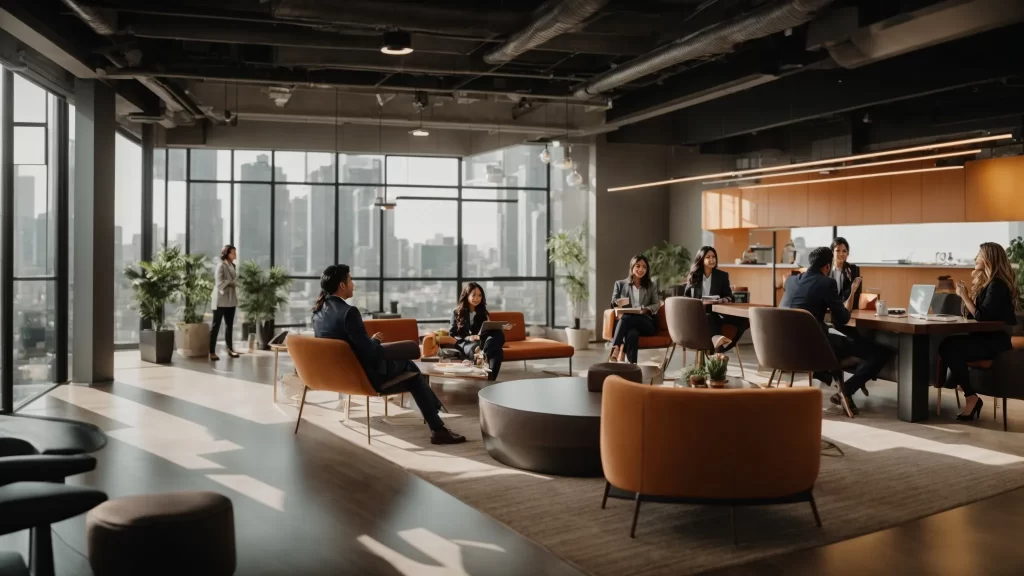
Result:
[
  {"x": 717, "y": 39},
  {"x": 554, "y": 18}
]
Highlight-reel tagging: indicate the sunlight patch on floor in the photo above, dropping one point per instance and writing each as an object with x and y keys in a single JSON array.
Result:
[
  {"x": 175, "y": 439},
  {"x": 872, "y": 439}
]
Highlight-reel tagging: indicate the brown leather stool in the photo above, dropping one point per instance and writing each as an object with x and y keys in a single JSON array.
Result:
[
  {"x": 163, "y": 534},
  {"x": 598, "y": 372}
]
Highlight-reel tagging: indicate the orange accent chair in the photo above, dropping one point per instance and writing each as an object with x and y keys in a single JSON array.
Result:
[
  {"x": 706, "y": 446},
  {"x": 660, "y": 340},
  {"x": 329, "y": 364}
]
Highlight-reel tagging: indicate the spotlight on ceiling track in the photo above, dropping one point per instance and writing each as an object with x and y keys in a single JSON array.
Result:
[{"x": 397, "y": 43}]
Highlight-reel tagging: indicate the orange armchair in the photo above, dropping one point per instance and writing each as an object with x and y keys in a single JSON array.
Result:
[
  {"x": 704, "y": 446},
  {"x": 656, "y": 342},
  {"x": 329, "y": 364}
]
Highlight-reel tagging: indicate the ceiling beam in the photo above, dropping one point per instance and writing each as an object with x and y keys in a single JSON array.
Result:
[
  {"x": 415, "y": 63},
  {"x": 408, "y": 16},
  {"x": 515, "y": 87},
  {"x": 819, "y": 93}
]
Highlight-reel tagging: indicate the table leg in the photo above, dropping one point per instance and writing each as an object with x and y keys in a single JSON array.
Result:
[
  {"x": 274, "y": 383},
  {"x": 913, "y": 375}
]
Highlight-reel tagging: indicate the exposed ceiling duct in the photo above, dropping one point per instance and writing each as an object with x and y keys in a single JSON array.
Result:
[
  {"x": 553, "y": 18},
  {"x": 101, "y": 20},
  {"x": 717, "y": 39},
  {"x": 929, "y": 26},
  {"x": 177, "y": 101}
]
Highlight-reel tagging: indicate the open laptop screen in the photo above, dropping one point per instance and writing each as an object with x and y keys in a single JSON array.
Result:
[{"x": 921, "y": 299}]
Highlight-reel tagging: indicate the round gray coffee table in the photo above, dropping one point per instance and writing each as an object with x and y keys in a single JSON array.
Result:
[{"x": 547, "y": 425}]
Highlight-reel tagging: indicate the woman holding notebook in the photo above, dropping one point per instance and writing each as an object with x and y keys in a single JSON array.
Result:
[
  {"x": 705, "y": 280},
  {"x": 467, "y": 327},
  {"x": 639, "y": 294}
]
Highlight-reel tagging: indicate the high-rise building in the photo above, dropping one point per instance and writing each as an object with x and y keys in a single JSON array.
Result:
[{"x": 252, "y": 210}]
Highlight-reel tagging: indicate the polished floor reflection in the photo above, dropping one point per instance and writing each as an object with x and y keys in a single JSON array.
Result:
[{"x": 314, "y": 504}]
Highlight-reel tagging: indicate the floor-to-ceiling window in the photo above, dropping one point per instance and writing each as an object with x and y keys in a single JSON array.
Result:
[
  {"x": 483, "y": 218},
  {"x": 127, "y": 234},
  {"x": 31, "y": 224}
]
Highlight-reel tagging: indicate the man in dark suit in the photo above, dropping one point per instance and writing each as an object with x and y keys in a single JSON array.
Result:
[
  {"x": 334, "y": 318},
  {"x": 816, "y": 292}
]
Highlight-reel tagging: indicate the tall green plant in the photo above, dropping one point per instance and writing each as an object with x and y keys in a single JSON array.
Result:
[
  {"x": 568, "y": 250},
  {"x": 154, "y": 284},
  {"x": 195, "y": 288},
  {"x": 669, "y": 264},
  {"x": 1016, "y": 255},
  {"x": 261, "y": 293}
]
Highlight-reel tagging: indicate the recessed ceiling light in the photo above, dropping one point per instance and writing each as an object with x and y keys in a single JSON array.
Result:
[
  {"x": 397, "y": 43},
  {"x": 420, "y": 132}
]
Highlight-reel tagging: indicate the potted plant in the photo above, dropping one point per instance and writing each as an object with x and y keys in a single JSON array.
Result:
[
  {"x": 696, "y": 375},
  {"x": 1016, "y": 255},
  {"x": 260, "y": 296},
  {"x": 669, "y": 265},
  {"x": 716, "y": 368},
  {"x": 154, "y": 284},
  {"x": 568, "y": 251},
  {"x": 193, "y": 334}
]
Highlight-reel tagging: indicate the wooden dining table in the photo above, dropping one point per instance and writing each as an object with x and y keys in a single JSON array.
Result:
[{"x": 914, "y": 337}]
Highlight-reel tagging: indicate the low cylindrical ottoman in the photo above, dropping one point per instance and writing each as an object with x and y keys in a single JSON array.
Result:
[
  {"x": 598, "y": 372},
  {"x": 163, "y": 534}
]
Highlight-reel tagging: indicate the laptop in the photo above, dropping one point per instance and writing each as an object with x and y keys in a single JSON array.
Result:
[{"x": 921, "y": 300}]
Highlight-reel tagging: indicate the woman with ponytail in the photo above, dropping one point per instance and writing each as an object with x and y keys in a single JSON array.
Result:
[{"x": 334, "y": 318}]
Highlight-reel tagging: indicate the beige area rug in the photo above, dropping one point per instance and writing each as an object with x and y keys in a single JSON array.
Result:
[{"x": 892, "y": 472}]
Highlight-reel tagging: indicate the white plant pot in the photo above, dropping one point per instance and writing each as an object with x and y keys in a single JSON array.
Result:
[
  {"x": 578, "y": 339},
  {"x": 192, "y": 340}
]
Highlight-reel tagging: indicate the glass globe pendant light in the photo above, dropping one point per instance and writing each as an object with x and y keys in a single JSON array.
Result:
[
  {"x": 545, "y": 155},
  {"x": 574, "y": 178}
]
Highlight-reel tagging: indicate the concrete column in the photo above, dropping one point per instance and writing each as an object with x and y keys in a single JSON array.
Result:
[{"x": 95, "y": 123}]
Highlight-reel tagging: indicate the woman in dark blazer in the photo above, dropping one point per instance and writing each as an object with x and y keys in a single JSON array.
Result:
[
  {"x": 705, "y": 279},
  {"x": 467, "y": 320},
  {"x": 846, "y": 275},
  {"x": 992, "y": 296},
  {"x": 636, "y": 291}
]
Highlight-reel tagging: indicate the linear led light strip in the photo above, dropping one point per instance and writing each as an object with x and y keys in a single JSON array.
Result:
[
  {"x": 857, "y": 177},
  {"x": 736, "y": 173},
  {"x": 868, "y": 165}
]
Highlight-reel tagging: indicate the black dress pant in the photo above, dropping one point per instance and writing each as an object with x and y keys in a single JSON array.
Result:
[
  {"x": 628, "y": 331},
  {"x": 957, "y": 351},
  {"x": 716, "y": 321},
  {"x": 491, "y": 343},
  {"x": 426, "y": 401},
  {"x": 872, "y": 356},
  {"x": 228, "y": 315}
]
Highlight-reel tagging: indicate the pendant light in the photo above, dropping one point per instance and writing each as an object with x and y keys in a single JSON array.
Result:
[
  {"x": 421, "y": 131},
  {"x": 567, "y": 163},
  {"x": 545, "y": 155},
  {"x": 382, "y": 201}
]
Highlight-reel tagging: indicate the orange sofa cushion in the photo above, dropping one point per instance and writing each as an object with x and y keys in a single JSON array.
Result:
[
  {"x": 536, "y": 349},
  {"x": 659, "y": 340}
]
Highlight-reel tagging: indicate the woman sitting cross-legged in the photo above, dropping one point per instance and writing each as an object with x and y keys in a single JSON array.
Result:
[
  {"x": 992, "y": 296},
  {"x": 637, "y": 291},
  {"x": 467, "y": 320}
]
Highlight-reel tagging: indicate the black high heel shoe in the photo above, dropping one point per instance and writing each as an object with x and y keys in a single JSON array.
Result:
[
  {"x": 233, "y": 354},
  {"x": 975, "y": 413}
]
